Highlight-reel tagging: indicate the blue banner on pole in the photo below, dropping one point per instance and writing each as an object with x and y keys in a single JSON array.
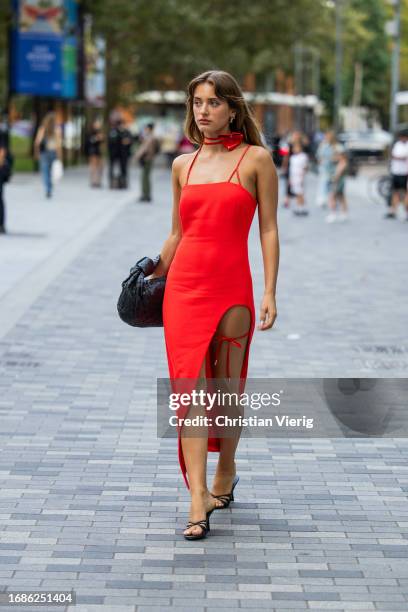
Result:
[{"x": 44, "y": 48}]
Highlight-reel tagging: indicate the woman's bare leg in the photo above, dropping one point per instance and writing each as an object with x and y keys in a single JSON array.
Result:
[
  {"x": 343, "y": 202},
  {"x": 332, "y": 202},
  {"x": 194, "y": 443},
  {"x": 194, "y": 440},
  {"x": 93, "y": 169},
  {"x": 99, "y": 171},
  {"x": 235, "y": 322}
]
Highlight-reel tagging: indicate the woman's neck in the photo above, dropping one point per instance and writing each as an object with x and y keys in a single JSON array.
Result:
[{"x": 212, "y": 143}]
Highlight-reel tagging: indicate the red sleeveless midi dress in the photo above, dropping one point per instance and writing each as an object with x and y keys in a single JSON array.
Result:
[{"x": 209, "y": 274}]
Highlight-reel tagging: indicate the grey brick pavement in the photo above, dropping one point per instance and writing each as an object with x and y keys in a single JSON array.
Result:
[{"x": 92, "y": 501}]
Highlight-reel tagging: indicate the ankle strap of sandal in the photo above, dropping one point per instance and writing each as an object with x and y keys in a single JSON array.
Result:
[
  {"x": 224, "y": 497},
  {"x": 202, "y": 523}
]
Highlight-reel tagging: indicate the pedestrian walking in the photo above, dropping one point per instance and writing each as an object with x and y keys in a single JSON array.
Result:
[
  {"x": 286, "y": 152},
  {"x": 337, "y": 199},
  {"x": 399, "y": 174},
  {"x": 298, "y": 166},
  {"x": 145, "y": 156},
  {"x": 114, "y": 155},
  {"x": 5, "y": 172},
  {"x": 48, "y": 148},
  {"x": 169, "y": 144},
  {"x": 208, "y": 308},
  {"x": 277, "y": 150},
  {"x": 93, "y": 151},
  {"x": 120, "y": 142},
  {"x": 6, "y": 165},
  {"x": 4, "y": 130},
  {"x": 295, "y": 137},
  {"x": 326, "y": 166}
]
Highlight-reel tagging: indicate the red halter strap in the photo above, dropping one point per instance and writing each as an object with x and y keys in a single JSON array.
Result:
[
  {"x": 237, "y": 166},
  {"x": 192, "y": 164},
  {"x": 233, "y": 172}
]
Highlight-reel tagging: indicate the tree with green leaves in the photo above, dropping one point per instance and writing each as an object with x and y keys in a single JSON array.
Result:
[
  {"x": 367, "y": 55},
  {"x": 156, "y": 42},
  {"x": 162, "y": 44}
]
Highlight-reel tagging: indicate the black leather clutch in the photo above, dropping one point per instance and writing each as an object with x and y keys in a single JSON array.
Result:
[{"x": 141, "y": 301}]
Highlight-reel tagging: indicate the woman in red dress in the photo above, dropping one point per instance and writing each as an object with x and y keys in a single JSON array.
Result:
[{"x": 208, "y": 308}]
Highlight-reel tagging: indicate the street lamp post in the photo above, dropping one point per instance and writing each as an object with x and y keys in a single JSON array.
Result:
[
  {"x": 395, "y": 68},
  {"x": 338, "y": 89},
  {"x": 298, "y": 82}
]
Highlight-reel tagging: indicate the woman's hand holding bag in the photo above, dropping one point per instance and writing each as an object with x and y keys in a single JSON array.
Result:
[{"x": 141, "y": 299}]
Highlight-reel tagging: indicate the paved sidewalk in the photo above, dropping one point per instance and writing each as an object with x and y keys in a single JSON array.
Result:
[
  {"x": 44, "y": 235},
  {"x": 91, "y": 500}
]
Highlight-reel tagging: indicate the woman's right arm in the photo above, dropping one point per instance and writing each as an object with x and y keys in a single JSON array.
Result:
[{"x": 171, "y": 243}]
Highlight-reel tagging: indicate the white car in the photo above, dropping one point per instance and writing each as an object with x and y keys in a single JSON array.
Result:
[{"x": 370, "y": 143}]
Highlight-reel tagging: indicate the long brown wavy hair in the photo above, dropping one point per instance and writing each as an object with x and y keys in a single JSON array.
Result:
[
  {"x": 226, "y": 88},
  {"x": 49, "y": 124}
]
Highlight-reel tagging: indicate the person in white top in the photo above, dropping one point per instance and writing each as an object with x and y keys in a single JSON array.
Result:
[
  {"x": 298, "y": 165},
  {"x": 399, "y": 173}
]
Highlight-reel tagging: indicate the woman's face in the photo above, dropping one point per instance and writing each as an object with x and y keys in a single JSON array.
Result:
[{"x": 212, "y": 114}]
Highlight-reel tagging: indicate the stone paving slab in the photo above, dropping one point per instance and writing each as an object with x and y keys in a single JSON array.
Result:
[
  {"x": 43, "y": 235},
  {"x": 91, "y": 500}
]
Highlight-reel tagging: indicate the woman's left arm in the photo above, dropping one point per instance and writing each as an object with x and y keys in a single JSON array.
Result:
[
  {"x": 39, "y": 136},
  {"x": 267, "y": 196}
]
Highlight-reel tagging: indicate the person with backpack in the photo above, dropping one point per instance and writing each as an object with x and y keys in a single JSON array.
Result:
[
  {"x": 145, "y": 155},
  {"x": 5, "y": 173}
]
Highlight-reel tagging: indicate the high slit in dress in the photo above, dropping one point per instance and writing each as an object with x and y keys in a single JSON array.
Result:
[{"x": 209, "y": 274}]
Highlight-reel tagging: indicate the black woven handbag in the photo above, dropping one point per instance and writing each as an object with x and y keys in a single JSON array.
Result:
[{"x": 140, "y": 302}]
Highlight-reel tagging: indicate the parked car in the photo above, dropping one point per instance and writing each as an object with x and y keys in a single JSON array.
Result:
[{"x": 368, "y": 144}]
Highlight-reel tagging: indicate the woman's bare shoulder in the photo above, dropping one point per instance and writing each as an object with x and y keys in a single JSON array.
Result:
[
  {"x": 180, "y": 162},
  {"x": 259, "y": 153},
  {"x": 260, "y": 159}
]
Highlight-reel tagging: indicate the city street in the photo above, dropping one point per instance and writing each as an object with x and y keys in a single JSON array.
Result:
[{"x": 91, "y": 500}]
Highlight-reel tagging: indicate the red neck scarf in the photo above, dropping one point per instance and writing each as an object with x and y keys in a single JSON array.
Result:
[{"x": 230, "y": 141}]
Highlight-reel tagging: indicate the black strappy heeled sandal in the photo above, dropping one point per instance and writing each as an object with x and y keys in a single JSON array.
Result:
[
  {"x": 205, "y": 527},
  {"x": 227, "y": 498}
]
